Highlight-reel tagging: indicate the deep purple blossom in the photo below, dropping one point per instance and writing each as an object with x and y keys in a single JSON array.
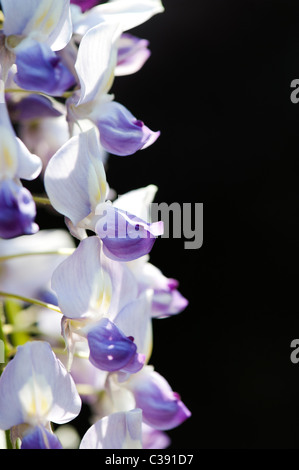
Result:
[{"x": 17, "y": 210}]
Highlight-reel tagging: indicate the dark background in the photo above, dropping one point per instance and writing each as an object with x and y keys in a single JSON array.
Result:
[{"x": 218, "y": 87}]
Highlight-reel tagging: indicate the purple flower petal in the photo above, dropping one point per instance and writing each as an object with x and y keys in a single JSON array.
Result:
[
  {"x": 86, "y": 4},
  {"x": 153, "y": 438},
  {"x": 40, "y": 69},
  {"x": 124, "y": 236},
  {"x": 161, "y": 407},
  {"x": 111, "y": 350},
  {"x": 32, "y": 107},
  {"x": 168, "y": 302},
  {"x": 132, "y": 53},
  {"x": 40, "y": 438},
  {"x": 120, "y": 132},
  {"x": 17, "y": 211}
]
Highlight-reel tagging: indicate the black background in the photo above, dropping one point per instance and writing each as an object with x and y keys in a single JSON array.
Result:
[{"x": 218, "y": 87}]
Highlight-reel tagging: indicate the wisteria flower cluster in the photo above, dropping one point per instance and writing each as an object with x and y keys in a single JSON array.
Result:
[{"x": 77, "y": 303}]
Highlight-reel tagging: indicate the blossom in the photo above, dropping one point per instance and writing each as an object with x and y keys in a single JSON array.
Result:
[
  {"x": 38, "y": 390},
  {"x": 162, "y": 408},
  {"x": 166, "y": 300},
  {"x": 76, "y": 184},
  {"x": 17, "y": 208},
  {"x": 120, "y": 132},
  {"x": 87, "y": 375},
  {"x": 94, "y": 297},
  {"x": 40, "y": 29}
]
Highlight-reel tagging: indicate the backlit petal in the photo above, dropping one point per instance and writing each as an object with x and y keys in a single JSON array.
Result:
[
  {"x": 75, "y": 178},
  {"x": 120, "y": 430}
]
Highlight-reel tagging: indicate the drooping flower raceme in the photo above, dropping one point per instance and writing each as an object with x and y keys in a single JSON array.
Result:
[{"x": 90, "y": 287}]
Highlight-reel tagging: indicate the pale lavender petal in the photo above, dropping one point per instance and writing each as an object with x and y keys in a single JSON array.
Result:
[
  {"x": 83, "y": 287},
  {"x": 46, "y": 21},
  {"x": 120, "y": 132},
  {"x": 168, "y": 302},
  {"x": 96, "y": 75},
  {"x": 153, "y": 438},
  {"x": 89, "y": 285},
  {"x": 132, "y": 54},
  {"x": 36, "y": 388},
  {"x": 161, "y": 407},
  {"x": 40, "y": 438},
  {"x": 75, "y": 178},
  {"x": 137, "y": 201},
  {"x": 120, "y": 430},
  {"x": 135, "y": 320},
  {"x": 111, "y": 350},
  {"x": 18, "y": 161},
  {"x": 128, "y": 14}
]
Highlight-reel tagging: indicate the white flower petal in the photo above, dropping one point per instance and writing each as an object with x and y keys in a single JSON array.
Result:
[
  {"x": 75, "y": 178},
  {"x": 128, "y": 14},
  {"x": 137, "y": 201},
  {"x": 47, "y": 21},
  {"x": 35, "y": 388},
  {"x": 96, "y": 61},
  {"x": 89, "y": 285},
  {"x": 120, "y": 430},
  {"x": 135, "y": 320}
]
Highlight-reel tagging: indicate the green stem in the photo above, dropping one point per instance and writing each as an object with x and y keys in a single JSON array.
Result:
[
  {"x": 3, "y": 339},
  {"x": 66, "y": 94},
  {"x": 8, "y": 440},
  {"x": 30, "y": 301},
  {"x": 61, "y": 252},
  {"x": 42, "y": 200}
]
